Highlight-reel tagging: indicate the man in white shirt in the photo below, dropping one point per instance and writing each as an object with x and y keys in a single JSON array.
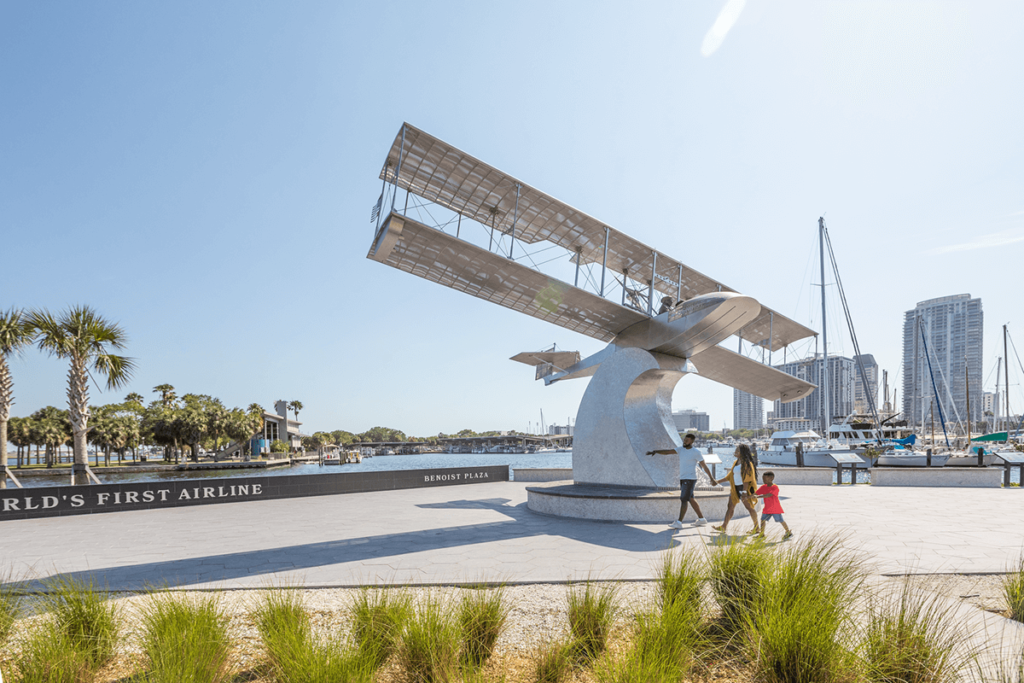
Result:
[{"x": 689, "y": 458}]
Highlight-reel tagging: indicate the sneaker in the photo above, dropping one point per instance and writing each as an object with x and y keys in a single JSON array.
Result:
[
  {"x": 676, "y": 525},
  {"x": 788, "y": 534},
  {"x": 701, "y": 522}
]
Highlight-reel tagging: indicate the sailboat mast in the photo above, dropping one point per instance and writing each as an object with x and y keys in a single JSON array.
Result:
[
  {"x": 826, "y": 414},
  {"x": 1006, "y": 384},
  {"x": 967, "y": 388},
  {"x": 995, "y": 418}
]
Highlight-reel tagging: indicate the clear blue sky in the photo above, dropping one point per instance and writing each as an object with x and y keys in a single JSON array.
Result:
[{"x": 203, "y": 174}]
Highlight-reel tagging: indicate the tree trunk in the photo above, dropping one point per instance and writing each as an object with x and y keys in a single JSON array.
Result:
[
  {"x": 80, "y": 457},
  {"x": 78, "y": 411},
  {"x": 195, "y": 452},
  {"x": 3, "y": 452}
]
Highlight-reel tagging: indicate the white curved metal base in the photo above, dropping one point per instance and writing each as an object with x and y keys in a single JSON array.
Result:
[{"x": 625, "y": 413}]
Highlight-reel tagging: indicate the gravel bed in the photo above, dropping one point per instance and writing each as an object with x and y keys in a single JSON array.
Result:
[{"x": 537, "y": 617}]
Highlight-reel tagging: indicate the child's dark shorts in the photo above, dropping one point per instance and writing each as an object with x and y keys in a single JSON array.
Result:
[{"x": 775, "y": 516}]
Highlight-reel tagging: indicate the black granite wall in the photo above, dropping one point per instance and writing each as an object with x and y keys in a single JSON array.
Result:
[{"x": 57, "y": 501}]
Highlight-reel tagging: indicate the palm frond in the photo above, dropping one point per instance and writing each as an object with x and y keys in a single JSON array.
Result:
[
  {"x": 16, "y": 332},
  {"x": 118, "y": 369}
]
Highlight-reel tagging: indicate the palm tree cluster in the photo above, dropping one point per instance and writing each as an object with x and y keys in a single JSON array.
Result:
[
  {"x": 88, "y": 342},
  {"x": 78, "y": 335}
]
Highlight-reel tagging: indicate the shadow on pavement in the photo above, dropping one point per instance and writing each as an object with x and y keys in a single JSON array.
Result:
[{"x": 520, "y": 523}]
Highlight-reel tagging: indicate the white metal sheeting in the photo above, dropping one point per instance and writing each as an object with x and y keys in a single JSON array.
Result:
[
  {"x": 734, "y": 370},
  {"x": 411, "y": 246},
  {"x": 436, "y": 171}
]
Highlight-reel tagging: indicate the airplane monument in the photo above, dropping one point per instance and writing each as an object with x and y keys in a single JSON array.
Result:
[{"x": 668, "y": 320}]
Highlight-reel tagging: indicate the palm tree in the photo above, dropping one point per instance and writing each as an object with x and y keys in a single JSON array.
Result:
[
  {"x": 296, "y": 406},
  {"x": 135, "y": 398},
  {"x": 15, "y": 334},
  {"x": 166, "y": 392},
  {"x": 86, "y": 339}
]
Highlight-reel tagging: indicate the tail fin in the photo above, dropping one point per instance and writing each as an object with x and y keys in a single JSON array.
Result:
[{"x": 548, "y": 362}]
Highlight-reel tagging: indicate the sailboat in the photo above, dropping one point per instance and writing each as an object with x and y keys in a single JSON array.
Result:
[{"x": 814, "y": 451}]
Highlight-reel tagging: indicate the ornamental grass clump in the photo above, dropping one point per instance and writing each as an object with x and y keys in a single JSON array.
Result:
[
  {"x": 378, "y": 617},
  {"x": 592, "y": 612},
  {"x": 87, "y": 618},
  {"x": 185, "y": 638},
  {"x": 1013, "y": 591},
  {"x": 431, "y": 644},
  {"x": 797, "y": 630},
  {"x": 913, "y": 638},
  {"x": 10, "y": 606},
  {"x": 667, "y": 635},
  {"x": 483, "y": 615},
  {"x": 554, "y": 662},
  {"x": 295, "y": 656},
  {"x": 736, "y": 571},
  {"x": 48, "y": 655}
]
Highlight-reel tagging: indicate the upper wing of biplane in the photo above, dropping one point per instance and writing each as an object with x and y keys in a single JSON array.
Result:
[{"x": 434, "y": 170}]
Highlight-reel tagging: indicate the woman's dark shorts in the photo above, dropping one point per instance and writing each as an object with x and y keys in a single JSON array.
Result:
[{"x": 686, "y": 489}]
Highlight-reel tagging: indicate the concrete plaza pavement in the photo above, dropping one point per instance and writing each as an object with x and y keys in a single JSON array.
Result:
[{"x": 484, "y": 532}]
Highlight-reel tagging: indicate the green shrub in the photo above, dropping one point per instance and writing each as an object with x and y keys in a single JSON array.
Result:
[
  {"x": 86, "y": 617},
  {"x": 797, "y": 629},
  {"x": 554, "y": 662},
  {"x": 736, "y": 571},
  {"x": 48, "y": 655},
  {"x": 1013, "y": 591},
  {"x": 591, "y": 615},
  {"x": 482, "y": 618},
  {"x": 185, "y": 639},
  {"x": 913, "y": 639},
  {"x": 378, "y": 616},
  {"x": 278, "y": 446},
  {"x": 431, "y": 643}
]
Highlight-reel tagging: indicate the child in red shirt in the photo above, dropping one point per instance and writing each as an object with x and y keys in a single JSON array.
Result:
[{"x": 772, "y": 506}]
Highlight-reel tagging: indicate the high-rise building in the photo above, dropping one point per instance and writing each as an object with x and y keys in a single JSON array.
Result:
[
  {"x": 692, "y": 421},
  {"x": 942, "y": 340},
  {"x": 747, "y": 410},
  {"x": 865, "y": 386},
  {"x": 841, "y": 387}
]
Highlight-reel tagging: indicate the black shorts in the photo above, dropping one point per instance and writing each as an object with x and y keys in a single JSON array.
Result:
[{"x": 686, "y": 489}]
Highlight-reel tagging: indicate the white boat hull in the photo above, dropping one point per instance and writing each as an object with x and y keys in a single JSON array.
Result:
[{"x": 811, "y": 459}]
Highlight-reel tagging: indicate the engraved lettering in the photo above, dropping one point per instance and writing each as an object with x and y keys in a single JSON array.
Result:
[
  {"x": 147, "y": 496},
  {"x": 132, "y": 496},
  {"x": 11, "y": 504},
  {"x": 101, "y": 498},
  {"x": 184, "y": 495},
  {"x": 49, "y": 502},
  {"x": 77, "y": 500}
]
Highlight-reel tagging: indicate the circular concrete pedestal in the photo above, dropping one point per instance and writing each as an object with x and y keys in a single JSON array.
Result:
[{"x": 621, "y": 503}]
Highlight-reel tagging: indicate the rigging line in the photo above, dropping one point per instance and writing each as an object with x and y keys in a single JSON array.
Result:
[
  {"x": 849, "y": 322},
  {"x": 1014, "y": 347},
  {"x": 804, "y": 279},
  {"x": 555, "y": 258},
  {"x": 928, "y": 358}
]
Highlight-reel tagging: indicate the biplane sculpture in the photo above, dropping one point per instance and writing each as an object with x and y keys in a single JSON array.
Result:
[{"x": 669, "y": 321}]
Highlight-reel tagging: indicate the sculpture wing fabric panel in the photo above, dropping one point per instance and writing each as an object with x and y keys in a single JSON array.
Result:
[{"x": 740, "y": 372}]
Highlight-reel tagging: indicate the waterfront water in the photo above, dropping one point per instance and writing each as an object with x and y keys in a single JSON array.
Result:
[{"x": 378, "y": 464}]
